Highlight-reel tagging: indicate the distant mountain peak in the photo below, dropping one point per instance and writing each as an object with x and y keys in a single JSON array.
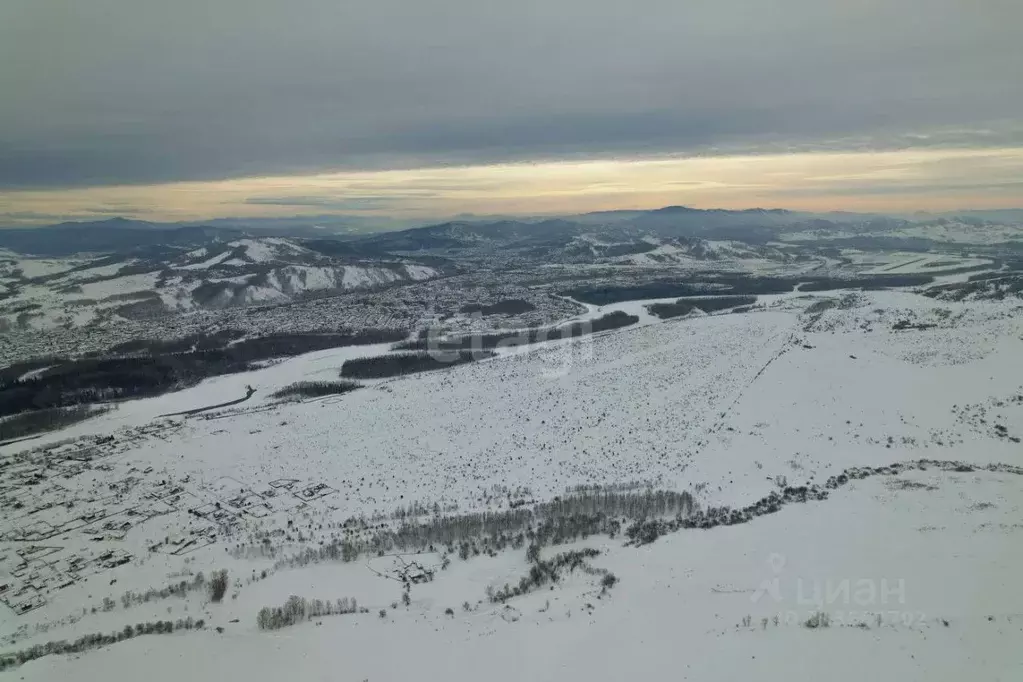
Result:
[{"x": 675, "y": 209}]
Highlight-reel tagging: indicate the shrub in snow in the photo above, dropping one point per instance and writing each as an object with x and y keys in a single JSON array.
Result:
[{"x": 818, "y": 620}]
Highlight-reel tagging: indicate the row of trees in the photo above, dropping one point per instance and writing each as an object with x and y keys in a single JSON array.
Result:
[
  {"x": 867, "y": 282},
  {"x": 31, "y": 423},
  {"x": 297, "y": 609},
  {"x": 316, "y": 389},
  {"x": 707, "y": 304},
  {"x": 592, "y": 511},
  {"x": 96, "y": 640},
  {"x": 398, "y": 364},
  {"x": 179, "y": 589},
  {"x": 519, "y": 337}
]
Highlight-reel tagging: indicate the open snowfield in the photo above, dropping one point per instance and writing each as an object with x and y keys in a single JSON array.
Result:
[{"x": 915, "y": 570}]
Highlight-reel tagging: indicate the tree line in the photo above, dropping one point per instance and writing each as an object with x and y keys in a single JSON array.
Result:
[
  {"x": 315, "y": 389},
  {"x": 707, "y": 304},
  {"x": 298, "y": 609},
  {"x": 564, "y": 519},
  {"x": 31, "y": 423},
  {"x": 521, "y": 337},
  {"x": 736, "y": 285},
  {"x": 143, "y": 369},
  {"x": 398, "y": 364},
  {"x": 97, "y": 640}
]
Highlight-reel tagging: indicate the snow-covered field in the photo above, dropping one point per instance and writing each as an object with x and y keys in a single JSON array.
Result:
[{"x": 915, "y": 570}]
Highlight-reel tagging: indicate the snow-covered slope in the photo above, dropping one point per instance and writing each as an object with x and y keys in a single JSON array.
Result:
[
  {"x": 920, "y": 574},
  {"x": 913, "y": 567},
  {"x": 694, "y": 252}
]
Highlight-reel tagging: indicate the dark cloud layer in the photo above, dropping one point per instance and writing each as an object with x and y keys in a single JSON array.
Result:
[{"x": 121, "y": 91}]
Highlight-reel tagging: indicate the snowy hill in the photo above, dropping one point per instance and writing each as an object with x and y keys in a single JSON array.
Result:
[
  {"x": 694, "y": 251},
  {"x": 44, "y": 293},
  {"x": 903, "y": 412},
  {"x": 570, "y": 242},
  {"x": 950, "y": 230}
]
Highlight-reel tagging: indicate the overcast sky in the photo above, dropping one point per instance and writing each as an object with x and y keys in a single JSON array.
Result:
[{"x": 107, "y": 93}]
